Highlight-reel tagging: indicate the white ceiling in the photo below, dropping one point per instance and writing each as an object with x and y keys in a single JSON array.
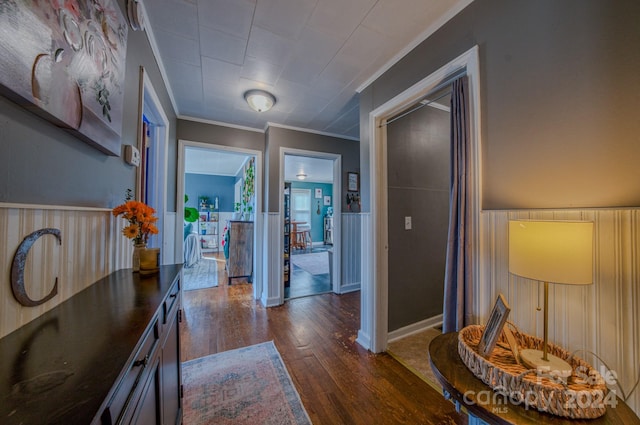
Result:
[
  {"x": 312, "y": 55},
  {"x": 317, "y": 170},
  {"x": 214, "y": 162}
]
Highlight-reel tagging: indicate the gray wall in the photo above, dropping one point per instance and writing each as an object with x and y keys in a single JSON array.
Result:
[
  {"x": 42, "y": 164},
  {"x": 278, "y": 137},
  {"x": 418, "y": 186},
  {"x": 560, "y": 100}
]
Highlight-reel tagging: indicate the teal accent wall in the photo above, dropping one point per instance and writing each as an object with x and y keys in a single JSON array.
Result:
[{"x": 317, "y": 220}]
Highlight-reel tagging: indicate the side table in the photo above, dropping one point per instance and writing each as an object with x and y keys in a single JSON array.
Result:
[{"x": 486, "y": 407}]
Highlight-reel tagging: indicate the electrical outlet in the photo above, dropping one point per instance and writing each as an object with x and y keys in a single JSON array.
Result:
[{"x": 407, "y": 223}]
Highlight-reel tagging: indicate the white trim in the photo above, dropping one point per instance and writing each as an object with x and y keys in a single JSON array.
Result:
[
  {"x": 414, "y": 328},
  {"x": 219, "y": 123},
  {"x": 258, "y": 242},
  {"x": 440, "y": 106},
  {"x": 268, "y": 124},
  {"x": 376, "y": 296},
  {"x": 336, "y": 273},
  {"x": 307, "y": 130},
  {"x": 352, "y": 287},
  {"x": 158, "y": 58},
  {"x": 149, "y": 103},
  {"x": 8, "y": 205},
  {"x": 457, "y": 8}
]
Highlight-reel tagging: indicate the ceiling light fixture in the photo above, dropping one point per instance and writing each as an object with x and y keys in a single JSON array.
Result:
[
  {"x": 259, "y": 100},
  {"x": 301, "y": 176}
]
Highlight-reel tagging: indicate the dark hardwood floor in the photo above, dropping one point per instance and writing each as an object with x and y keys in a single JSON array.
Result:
[{"x": 339, "y": 381}]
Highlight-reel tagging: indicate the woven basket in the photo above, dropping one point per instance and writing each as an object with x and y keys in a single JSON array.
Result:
[{"x": 582, "y": 397}]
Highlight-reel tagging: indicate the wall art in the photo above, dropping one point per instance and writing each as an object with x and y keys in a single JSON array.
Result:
[{"x": 65, "y": 61}]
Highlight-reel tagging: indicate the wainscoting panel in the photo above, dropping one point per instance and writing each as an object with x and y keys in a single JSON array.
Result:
[
  {"x": 272, "y": 264},
  {"x": 603, "y": 318},
  {"x": 367, "y": 297},
  {"x": 92, "y": 247},
  {"x": 351, "y": 252}
]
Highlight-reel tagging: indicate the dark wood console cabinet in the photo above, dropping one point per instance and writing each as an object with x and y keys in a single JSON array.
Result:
[
  {"x": 240, "y": 262},
  {"x": 108, "y": 355}
]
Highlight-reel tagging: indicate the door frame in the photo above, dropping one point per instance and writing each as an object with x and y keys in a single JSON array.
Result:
[
  {"x": 374, "y": 315},
  {"x": 257, "y": 243},
  {"x": 149, "y": 104},
  {"x": 337, "y": 213}
]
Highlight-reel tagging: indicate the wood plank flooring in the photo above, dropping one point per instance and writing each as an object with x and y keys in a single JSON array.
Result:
[{"x": 339, "y": 381}]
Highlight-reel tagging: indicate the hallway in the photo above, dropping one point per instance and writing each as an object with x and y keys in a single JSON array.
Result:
[{"x": 339, "y": 381}]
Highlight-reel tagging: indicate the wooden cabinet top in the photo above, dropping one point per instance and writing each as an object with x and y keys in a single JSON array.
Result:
[{"x": 60, "y": 368}]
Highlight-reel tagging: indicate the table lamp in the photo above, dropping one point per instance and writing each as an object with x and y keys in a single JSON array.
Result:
[{"x": 551, "y": 252}]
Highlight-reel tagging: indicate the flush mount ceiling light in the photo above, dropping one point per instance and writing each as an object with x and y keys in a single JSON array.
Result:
[
  {"x": 301, "y": 176},
  {"x": 259, "y": 100}
]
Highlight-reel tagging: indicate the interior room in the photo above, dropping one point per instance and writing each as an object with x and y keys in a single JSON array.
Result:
[
  {"x": 218, "y": 188},
  {"x": 479, "y": 215},
  {"x": 308, "y": 225}
]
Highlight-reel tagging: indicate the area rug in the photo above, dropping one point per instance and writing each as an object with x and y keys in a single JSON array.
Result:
[
  {"x": 314, "y": 263},
  {"x": 249, "y": 385},
  {"x": 203, "y": 275},
  {"x": 413, "y": 352}
]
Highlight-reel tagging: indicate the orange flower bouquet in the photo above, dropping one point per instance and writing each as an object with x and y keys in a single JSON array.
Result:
[{"x": 141, "y": 220}]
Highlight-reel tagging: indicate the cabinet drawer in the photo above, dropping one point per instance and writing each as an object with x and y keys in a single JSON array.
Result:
[{"x": 123, "y": 399}]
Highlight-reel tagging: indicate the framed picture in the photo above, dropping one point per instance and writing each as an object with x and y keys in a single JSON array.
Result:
[
  {"x": 65, "y": 62},
  {"x": 327, "y": 200},
  {"x": 493, "y": 330},
  {"x": 318, "y": 191},
  {"x": 353, "y": 182}
]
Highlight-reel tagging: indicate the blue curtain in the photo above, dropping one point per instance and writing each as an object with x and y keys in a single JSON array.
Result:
[{"x": 457, "y": 279}]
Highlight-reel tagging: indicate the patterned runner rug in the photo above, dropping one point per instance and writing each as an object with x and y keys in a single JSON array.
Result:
[
  {"x": 202, "y": 275},
  {"x": 249, "y": 385}
]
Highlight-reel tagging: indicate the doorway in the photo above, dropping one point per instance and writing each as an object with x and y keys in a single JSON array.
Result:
[
  {"x": 310, "y": 204},
  {"x": 374, "y": 330},
  {"x": 153, "y": 141},
  {"x": 210, "y": 175}
]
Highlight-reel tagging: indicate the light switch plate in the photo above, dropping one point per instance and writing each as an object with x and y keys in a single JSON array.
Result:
[
  {"x": 132, "y": 155},
  {"x": 407, "y": 223}
]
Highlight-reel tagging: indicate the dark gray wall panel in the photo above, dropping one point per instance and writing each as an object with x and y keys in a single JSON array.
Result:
[
  {"x": 559, "y": 93},
  {"x": 418, "y": 186}
]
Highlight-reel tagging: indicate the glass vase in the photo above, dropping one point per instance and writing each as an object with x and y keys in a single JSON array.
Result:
[{"x": 135, "y": 263}]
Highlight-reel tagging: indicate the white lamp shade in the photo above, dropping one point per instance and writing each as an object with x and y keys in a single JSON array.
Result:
[
  {"x": 552, "y": 251},
  {"x": 259, "y": 100}
]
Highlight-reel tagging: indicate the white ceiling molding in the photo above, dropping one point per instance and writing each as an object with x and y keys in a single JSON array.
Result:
[
  {"x": 306, "y": 130},
  {"x": 422, "y": 37}
]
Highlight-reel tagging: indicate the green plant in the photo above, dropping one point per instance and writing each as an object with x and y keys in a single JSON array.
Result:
[
  {"x": 236, "y": 207},
  {"x": 190, "y": 213},
  {"x": 248, "y": 187}
]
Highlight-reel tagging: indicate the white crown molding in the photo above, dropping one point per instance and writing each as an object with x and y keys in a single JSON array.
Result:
[
  {"x": 156, "y": 54},
  {"x": 219, "y": 123},
  {"x": 416, "y": 41},
  {"x": 307, "y": 130}
]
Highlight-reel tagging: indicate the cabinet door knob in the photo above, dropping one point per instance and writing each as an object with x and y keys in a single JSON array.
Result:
[{"x": 142, "y": 362}]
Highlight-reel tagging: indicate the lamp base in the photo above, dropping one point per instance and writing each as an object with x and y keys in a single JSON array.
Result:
[{"x": 554, "y": 365}]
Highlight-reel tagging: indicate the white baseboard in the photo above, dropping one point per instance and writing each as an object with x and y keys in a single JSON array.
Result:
[
  {"x": 363, "y": 340},
  {"x": 415, "y": 328},
  {"x": 270, "y": 302},
  {"x": 352, "y": 287}
]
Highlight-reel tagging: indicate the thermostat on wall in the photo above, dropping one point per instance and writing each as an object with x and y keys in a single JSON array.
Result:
[{"x": 132, "y": 155}]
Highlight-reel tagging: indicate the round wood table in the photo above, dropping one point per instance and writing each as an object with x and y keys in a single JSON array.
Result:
[{"x": 483, "y": 406}]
